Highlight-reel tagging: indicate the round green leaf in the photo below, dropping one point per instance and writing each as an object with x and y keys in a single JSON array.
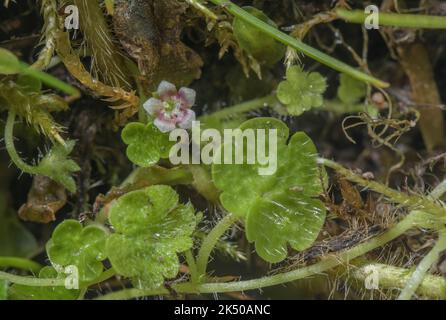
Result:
[
  {"x": 279, "y": 209},
  {"x": 74, "y": 245},
  {"x": 146, "y": 144},
  {"x": 301, "y": 91}
]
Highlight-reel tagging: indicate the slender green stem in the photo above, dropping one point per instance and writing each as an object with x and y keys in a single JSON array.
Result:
[
  {"x": 211, "y": 240},
  {"x": 298, "y": 44},
  {"x": 203, "y": 183},
  {"x": 190, "y": 260},
  {"x": 20, "y": 263},
  {"x": 48, "y": 282},
  {"x": 413, "y": 201},
  {"x": 329, "y": 262},
  {"x": 203, "y": 9},
  {"x": 107, "y": 274},
  {"x": 413, "y": 219},
  {"x": 49, "y": 80},
  {"x": 31, "y": 281},
  {"x": 423, "y": 267},
  {"x": 396, "y": 19},
  {"x": 439, "y": 190},
  {"x": 242, "y": 108},
  {"x": 9, "y": 142}
]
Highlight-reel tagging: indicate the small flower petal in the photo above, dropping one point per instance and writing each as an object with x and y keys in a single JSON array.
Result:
[
  {"x": 188, "y": 96},
  {"x": 166, "y": 89},
  {"x": 188, "y": 118},
  {"x": 153, "y": 106},
  {"x": 164, "y": 125}
]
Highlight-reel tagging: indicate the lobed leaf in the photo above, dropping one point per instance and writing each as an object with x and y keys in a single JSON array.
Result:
[
  {"x": 146, "y": 144},
  {"x": 58, "y": 167},
  {"x": 278, "y": 209},
  {"x": 301, "y": 91},
  {"x": 82, "y": 247},
  {"x": 151, "y": 228},
  {"x": 350, "y": 90}
]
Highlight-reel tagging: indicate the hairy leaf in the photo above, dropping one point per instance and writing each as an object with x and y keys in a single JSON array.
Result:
[
  {"x": 301, "y": 91},
  {"x": 151, "y": 228},
  {"x": 58, "y": 167},
  {"x": 280, "y": 208},
  {"x": 146, "y": 144},
  {"x": 74, "y": 245}
]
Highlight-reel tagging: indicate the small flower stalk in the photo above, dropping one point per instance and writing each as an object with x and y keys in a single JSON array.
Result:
[{"x": 171, "y": 108}]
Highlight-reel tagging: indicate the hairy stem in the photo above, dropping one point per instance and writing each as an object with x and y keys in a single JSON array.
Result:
[
  {"x": 211, "y": 240},
  {"x": 390, "y": 277},
  {"x": 297, "y": 44},
  {"x": 31, "y": 281},
  {"x": 413, "y": 201},
  {"x": 20, "y": 263},
  {"x": 439, "y": 191},
  {"x": 327, "y": 263},
  {"x": 190, "y": 260},
  {"x": 9, "y": 142},
  {"x": 203, "y": 183},
  {"x": 423, "y": 267}
]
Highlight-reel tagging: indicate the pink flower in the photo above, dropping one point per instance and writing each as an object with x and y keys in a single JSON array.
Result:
[{"x": 171, "y": 108}]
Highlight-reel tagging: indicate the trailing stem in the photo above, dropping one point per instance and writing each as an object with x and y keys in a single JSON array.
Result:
[
  {"x": 423, "y": 267},
  {"x": 390, "y": 277},
  {"x": 20, "y": 263},
  {"x": 10, "y": 148},
  {"x": 327, "y": 263},
  {"x": 412, "y": 201},
  {"x": 211, "y": 240}
]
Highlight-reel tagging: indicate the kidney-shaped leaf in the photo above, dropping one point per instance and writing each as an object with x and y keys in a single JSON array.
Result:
[
  {"x": 279, "y": 208},
  {"x": 74, "y": 245},
  {"x": 146, "y": 144}
]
